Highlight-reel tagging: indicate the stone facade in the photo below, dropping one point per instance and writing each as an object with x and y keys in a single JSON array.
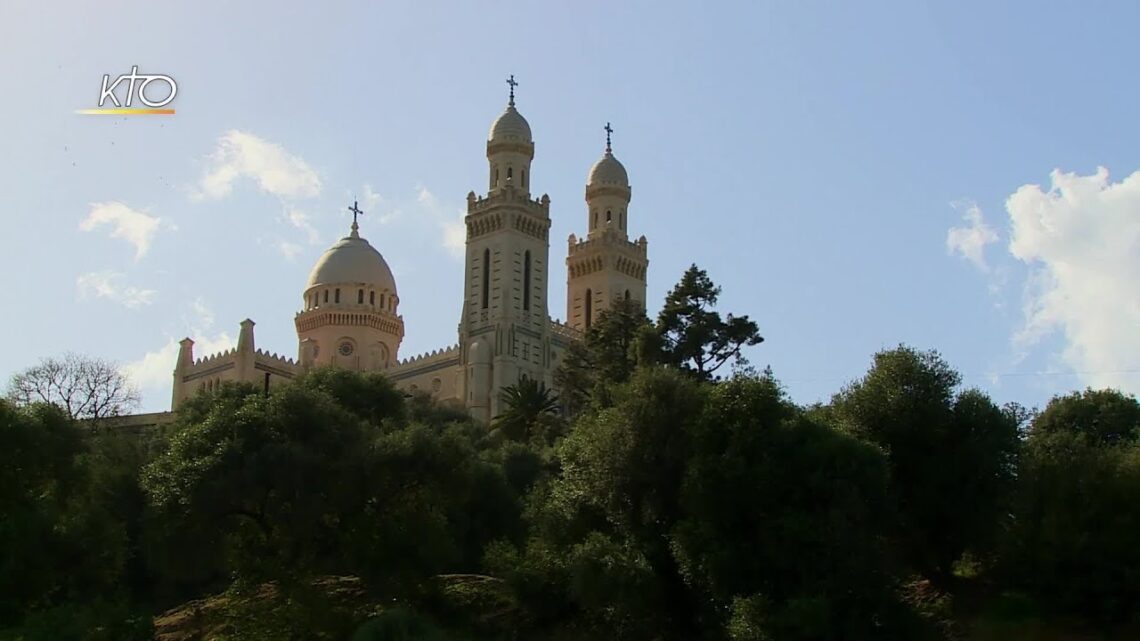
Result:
[{"x": 349, "y": 316}]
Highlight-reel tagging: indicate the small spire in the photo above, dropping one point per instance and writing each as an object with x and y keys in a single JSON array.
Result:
[
  {"x": 609, "y": 130},
  {"x": 356, "y": 211},
  {"x": 511, "y": 81}
]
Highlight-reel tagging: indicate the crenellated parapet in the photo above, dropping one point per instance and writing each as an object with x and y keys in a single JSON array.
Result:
[
  {"x": 244, "y": 363},
  {"x": 607, "y": 240},
  {"x": 274, "y": 358},
  {"x": 435, "y": 354},
  {"x": 607, "y": 251},
  {"x": 560, "y": 330},
  {"x": 433, "y": 365},
  {"x": 207, "y": 362},
  {"x": 508, "y": 208},
  {"x": 507, "y": 196}
]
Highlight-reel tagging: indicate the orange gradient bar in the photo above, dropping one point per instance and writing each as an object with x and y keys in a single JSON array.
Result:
[{"x": 126, "y": 112}]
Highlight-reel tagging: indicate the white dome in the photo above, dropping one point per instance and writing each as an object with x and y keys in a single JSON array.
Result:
[
  {"x": 352, "y": 260},
  {"x": 608, "y": 171},
  {"x": 510, "y": 127}
]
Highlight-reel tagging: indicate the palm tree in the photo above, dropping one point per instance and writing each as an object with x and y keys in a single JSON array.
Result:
[{"x": 524, "y": 404}]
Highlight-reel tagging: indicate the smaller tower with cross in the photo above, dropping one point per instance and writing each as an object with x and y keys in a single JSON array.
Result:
[{"x": 606, "y": 265}]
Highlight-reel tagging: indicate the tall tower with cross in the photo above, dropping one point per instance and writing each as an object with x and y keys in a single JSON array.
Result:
[
  {"x": 505, "y": 324},
  {"x": 606, "y": 265}
]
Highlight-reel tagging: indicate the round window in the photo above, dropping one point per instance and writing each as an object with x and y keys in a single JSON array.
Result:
[{"x": 345, "y": 349}]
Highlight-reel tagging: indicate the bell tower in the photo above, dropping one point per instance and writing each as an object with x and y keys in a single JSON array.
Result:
[
  {"x": 504, "y": 329},
  {"x": 606, "y": 265}
]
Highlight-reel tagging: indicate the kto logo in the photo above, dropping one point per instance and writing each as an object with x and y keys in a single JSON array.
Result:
[{"x": 162, "y": 90}]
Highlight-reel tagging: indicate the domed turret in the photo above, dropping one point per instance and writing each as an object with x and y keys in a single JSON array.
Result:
[
  {"x": 607, "y": 192},
  {"x": 350, "y": 318},
  {"x": 510, "y": 148},
  {"x": 352, "y": 260},
  {"x": 510, "y": 127},
  {"x": 608, "y": 171}
]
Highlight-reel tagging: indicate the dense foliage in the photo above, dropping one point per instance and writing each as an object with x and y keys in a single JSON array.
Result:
[{"x": 647, "y": 499}]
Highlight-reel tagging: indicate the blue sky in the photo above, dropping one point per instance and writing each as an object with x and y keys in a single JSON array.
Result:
[{"x": 854, "y": 175}]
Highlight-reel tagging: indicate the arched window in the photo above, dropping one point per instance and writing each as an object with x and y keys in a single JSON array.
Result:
[
  {"x": 589, "y": 307},
  {"x": 526, "y": 281},
  {"x": 486, "y": 277},
  {"x": 609, "y": 216},
  {"x": 510, "y": 173},
  {"x": 372, "y": 298},
  {"x": 381, "y": 301},
  {"x": 336, "y": 295},
  {"x": 496, "y": 177},
  {"x": 326, "y": 295},
  {"x": 360, "y": 297},
  {"x": 627, "y": 294}
]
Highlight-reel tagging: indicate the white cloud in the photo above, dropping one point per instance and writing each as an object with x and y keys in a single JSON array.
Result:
[
  {"x": 244, "y": 155},
  {"x": 203, "y": 315},
  {"x": 300, "y": 220},
  {"x": 970, "y": 241},
  {"x": 1081, "y": 243},
  {"x": 289, "y": 250},
  {"x": 154, "y": 369},
  {"x": 453, "y": 230},
  {"x": 374, "y": 205},
  {"x": 136, "y": 227},
  {"x": 455, "y": 237},
  {"x": 107, "y": 284}
]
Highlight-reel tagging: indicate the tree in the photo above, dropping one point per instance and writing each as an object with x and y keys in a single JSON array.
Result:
[
  {"x": 1103, "y": 417},
  {"x": 62, "y": 548},
  {"x": 525, "y": 403},
  {"x": 609, "y": 352},
  {"x": 952, "y": 455},
  {"x": 784, "y": 520},
  {"x": 314, "y": 479},
  {"x": 687, "y": 510},
  {"x": 600, "y": 533},
  {"x": 1072, "y": 544},
  {"x": 694, "y": 337},
  {"x": 85, "y": 387}
]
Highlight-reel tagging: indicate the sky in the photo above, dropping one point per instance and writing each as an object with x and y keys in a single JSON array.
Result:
[{"x": 958, "y": 176}]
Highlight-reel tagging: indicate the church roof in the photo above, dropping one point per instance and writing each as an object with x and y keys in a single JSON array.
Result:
[
  {"x": 352, "y": 260},
  {"x": 510, "y": 127},
  {"x": 608, "y": 171}
]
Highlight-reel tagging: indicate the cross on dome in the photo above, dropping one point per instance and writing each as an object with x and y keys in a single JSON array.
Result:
[
  {"x": 356, "y": 211},
  {"x": 513, "y": 83},
  {"x": 609, "y": 130}
]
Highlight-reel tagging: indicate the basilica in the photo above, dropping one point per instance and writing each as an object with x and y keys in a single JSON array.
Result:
[{"x": 350, "y": 306}]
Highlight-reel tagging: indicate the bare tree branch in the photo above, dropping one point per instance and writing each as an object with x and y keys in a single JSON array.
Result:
[{"x": 83, "y": 386}]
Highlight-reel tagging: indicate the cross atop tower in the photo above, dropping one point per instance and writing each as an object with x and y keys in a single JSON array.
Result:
[
  {"x": 356, "y": 211},
  {"x": 609, "y": 130},
  {"x": 511, "y": 81}
]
